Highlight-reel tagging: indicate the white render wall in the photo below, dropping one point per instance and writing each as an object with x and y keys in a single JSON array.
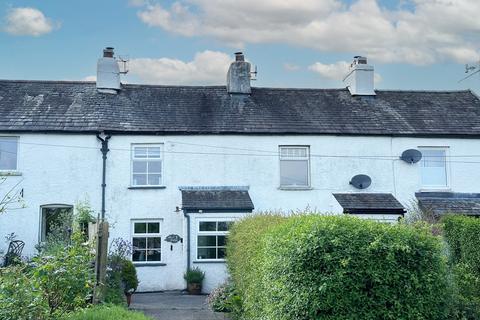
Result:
[{"x": 71, "y": 172}]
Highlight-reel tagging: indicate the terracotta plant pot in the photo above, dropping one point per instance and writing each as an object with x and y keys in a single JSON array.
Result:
[{"x": 194, "y": 288}]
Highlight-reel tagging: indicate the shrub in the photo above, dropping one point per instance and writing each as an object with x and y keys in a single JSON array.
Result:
[
  {"x": 317, "y": 267},
  {"x": 194, "y": 275},
  {"x": 462, "y": 235},
  {"x": 20, "y": 297},
  {"x": 225, "y": 299},
  {"x": 129, "y": 277},
  {"x": 107, "y": 312}
]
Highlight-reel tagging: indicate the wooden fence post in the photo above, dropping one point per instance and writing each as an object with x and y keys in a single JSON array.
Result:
[{"x": 101, "y": 261}]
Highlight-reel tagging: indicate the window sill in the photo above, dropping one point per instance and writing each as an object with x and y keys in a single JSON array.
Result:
[
  {"x": 433, "y": 189},
  {"x": 295, "y": 188},
  {"x": 146, "y": 187},
  {"x": 209, "y": 261},
  {"x": 153, "y": 264},
  {"x": 8, "y": 173}
]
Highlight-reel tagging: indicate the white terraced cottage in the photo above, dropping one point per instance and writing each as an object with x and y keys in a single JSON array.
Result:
[{"x": 183, "y": 162}]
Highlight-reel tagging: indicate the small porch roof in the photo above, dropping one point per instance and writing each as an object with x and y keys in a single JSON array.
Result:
[
  {"x": 221, "y": 198},
  {"x": 441, "y": 203},
  {"x": 369, "y": 203}
]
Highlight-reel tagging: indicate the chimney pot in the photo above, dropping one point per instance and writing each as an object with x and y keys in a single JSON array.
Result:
[
  {"x": 239, "y": 56},
  {"x": 108, "y": 52}
]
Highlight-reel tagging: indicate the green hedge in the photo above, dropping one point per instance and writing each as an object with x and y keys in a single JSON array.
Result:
[
  {"x": 107, "y": 312},
  {"x": 318, "y": 267},
  {"x": 463, "y": 238}
]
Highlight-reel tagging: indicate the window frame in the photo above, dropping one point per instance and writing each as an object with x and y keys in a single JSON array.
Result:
[
  {"x": 160, "y": 159},
  {"x": 211, "y": 233},
  {"x": 17, "y": 138},
  {"x": 447, "y": 168},
  {"x": 307, "y": 158},
  {"x": 147, "y": 235},
  {"x": 42, "y": 225}
]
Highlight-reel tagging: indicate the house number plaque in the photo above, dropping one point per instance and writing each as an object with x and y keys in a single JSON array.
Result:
[{"x": 173, "y": 238}]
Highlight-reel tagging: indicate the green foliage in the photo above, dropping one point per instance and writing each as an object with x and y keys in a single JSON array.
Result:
[
  {"x": 49, "y": 286},
  {"x": 84, "y": 216},
  {"x": 319, "y": 267},
  {"x": 20, "y": 297},
  {"x": 107, "y": 312},
  {"x": 225, "y": 299},
  {"x": 194, "y": 275},
  {"x": 121, "y": 274},
  {"x": 462, "y": 235}
]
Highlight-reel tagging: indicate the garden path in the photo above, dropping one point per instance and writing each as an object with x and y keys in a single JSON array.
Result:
[{"x": 174, "y": 305}]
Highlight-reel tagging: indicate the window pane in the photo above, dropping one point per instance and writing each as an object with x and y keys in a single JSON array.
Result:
[
  {"x": 221, "y": 241},
  {"x": 154, "y": 166},
  {"x": 153, "y": 227},
  {"x": 139, "y": 167},
  {"x": 207, "y": 241},
  {"x": 154, "y": 152},
  {"x": 224, "y": 225},
  {"x": 140, "y": 227},
  {"x": 139, "y": 255},
  {"x": 207, "y": 253},
  {"x": 140, "y": 152},
  {"x": 154, "y": 243},
  {"x": 56, "y": 222},
  {"x": 139, "y": 179},
  {"x": 8, "y": 153},
  {"x": 139, "y": 243},
  {"x": 293, "y": 152},
  {"x": 153, "y": 255},
  {"x": 208, "y": 226},
  {"x": 221, "y": 253},
  {"x": 294, "y": 173},
  {"x": 154, "y": 179},
  {"x": 434, "y": 168}
]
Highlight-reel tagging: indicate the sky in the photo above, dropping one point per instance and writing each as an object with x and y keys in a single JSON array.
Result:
[{"x": 413, "y": 44}]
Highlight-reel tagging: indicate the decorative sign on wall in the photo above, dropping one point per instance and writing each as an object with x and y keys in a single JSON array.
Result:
[{"x": 173, "y": 238}]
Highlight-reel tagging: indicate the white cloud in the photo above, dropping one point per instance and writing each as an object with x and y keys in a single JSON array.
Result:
[
  {"x": 291, "y": 67},
  {"x": 207, "y": 68},
  {"x": 336, "y": 71},
  {"x": 433, "y": 31},
  {"x": 90, "y": 78},
  {"x": 28, "y": 22}
]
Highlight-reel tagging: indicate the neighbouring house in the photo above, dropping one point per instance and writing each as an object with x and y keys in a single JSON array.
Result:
[{"x": 183, "y": 162}]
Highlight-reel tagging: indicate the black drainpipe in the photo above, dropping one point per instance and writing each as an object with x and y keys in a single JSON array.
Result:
[
  {"x": 104, "y": 150},
  {"x": 186, "y": 215}
]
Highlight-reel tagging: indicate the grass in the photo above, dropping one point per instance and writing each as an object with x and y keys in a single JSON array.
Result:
[{"x": 107, "y": 312}]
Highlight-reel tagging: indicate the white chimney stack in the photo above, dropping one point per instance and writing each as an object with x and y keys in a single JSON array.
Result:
[
  {"x": 360, "y": 78},
  {"x": 238, "y": 76},
  {"x": 108, "y": 72}
]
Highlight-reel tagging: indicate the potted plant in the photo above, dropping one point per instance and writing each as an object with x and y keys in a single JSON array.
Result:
[
  {"x": 129, "y": 280},
  {"x": 194, "y": 278}
]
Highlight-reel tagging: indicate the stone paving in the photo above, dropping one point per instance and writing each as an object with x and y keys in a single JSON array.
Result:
[{"x": 174, "y": 305}]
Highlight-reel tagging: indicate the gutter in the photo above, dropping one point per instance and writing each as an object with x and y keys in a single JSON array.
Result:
[{"x": 104, "y": 151}]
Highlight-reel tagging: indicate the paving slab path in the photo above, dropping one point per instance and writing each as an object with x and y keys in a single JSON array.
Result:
[{"x": 174, "y": 305}]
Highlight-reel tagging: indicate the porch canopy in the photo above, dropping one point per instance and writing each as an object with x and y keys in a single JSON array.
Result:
[
  {"x": 369, "y": 203},
  {"x": 441, "y": 203},
  {"x": 216, "y": 199}
]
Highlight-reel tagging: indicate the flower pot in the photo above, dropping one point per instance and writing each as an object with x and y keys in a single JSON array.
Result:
[
  {"x": 194, "y": 288},
  {"x": 129, "y": 298}
]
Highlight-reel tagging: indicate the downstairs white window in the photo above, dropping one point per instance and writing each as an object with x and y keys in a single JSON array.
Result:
[
  {"x": 212, "y": 239},
  {"x": 146, "y": 241}
]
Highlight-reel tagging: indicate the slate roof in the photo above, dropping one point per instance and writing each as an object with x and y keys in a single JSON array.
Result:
[
  {"x": 440, "y": 203},
  {"x": 216, "y": 199},
  {"x": 78, "y": 107},
  {"x": 371, "y": 203}
]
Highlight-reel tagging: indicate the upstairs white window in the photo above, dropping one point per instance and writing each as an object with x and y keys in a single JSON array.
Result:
[
  {"x": 8, "y": 153},
  {"x": 294, "y": 167},
  {"x": 147, "y": 242},
  {"x": 212, "y": 239},
  {"x": 147, "y": 165},
  {"x": 434, "y": 167}
]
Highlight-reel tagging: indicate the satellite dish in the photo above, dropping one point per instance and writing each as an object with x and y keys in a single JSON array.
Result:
[
  {"x": 411, "y": 156},
  {"x": 361, "y": 181}
]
